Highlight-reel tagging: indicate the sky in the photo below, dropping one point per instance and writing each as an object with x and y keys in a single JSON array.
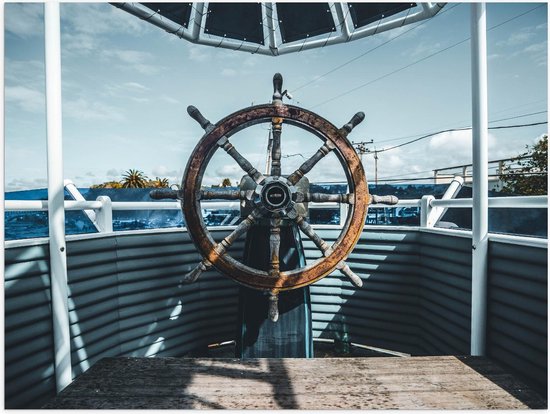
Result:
[{"x": 126, "y": 85}]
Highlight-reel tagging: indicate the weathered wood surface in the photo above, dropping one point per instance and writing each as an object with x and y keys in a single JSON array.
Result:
[{"x": 326, "y": 383}]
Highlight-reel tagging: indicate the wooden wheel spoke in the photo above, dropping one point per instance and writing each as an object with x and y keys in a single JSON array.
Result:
[
  {"x": 225, "y": 195},
  {"x": 327, "y": 250},
  {"x": 221, "y": 248},
  {"x": 326, "y": 198},
  {"x": 310, "y": 163},
  {"x": 274, "y": 247},
  {"x": 314, "y": 237},
  {"x": 247, "y": 167},
  {"x": 276, "y": 147}
]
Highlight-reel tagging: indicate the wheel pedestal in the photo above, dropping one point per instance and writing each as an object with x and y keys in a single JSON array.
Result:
[{"x": 290, "y": 336}]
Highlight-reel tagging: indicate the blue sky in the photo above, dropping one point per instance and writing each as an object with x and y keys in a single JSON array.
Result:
[{"x": 126, "y": 86}]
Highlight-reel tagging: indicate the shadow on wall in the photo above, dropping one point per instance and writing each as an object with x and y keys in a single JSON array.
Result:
[
  {"x": 415, "y": 297},
  {"x": 28, "y": 341},
  {"x": 384, "y": 312},
  {"x": 137, "y": 306},
  {"x": 125, "y": 300}
]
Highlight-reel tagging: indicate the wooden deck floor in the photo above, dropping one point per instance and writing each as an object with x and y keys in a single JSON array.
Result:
[{"x": 326, "y": 383}]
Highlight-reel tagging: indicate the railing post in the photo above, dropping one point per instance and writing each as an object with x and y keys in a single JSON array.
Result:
[
  {"x": 479, "y": 180},
  {"x": 71, "y": 188},
  {"x": 452, "y": 191},
  {"x": 104, "y": 216},
  {"x": 56, "y": 192},
  {"x": 426, "y": 210}
]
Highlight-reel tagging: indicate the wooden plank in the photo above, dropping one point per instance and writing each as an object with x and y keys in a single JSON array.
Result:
[{"x": 328, "y": 383}]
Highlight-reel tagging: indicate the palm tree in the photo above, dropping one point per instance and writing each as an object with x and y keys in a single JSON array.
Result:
[
  {"x": 226, "y": 182},
  {"x": 134, "y": 179},
  {"x": 160, "y": 182}
]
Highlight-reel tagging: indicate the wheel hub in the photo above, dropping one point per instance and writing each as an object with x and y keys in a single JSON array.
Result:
[{"x": 274, "y": 195}]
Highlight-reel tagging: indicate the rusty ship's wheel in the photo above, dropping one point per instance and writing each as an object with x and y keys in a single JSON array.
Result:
[{"x": 275, "y": 196}]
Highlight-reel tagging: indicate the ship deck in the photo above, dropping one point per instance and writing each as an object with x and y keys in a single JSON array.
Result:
[{"x": 442, "y": 382}]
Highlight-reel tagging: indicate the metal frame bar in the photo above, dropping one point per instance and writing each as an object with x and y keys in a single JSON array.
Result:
[
  {"x": 494, "y": 202},
  {"x": 344, "y": 31},
  {"x": 480, "y": 172},
  {"x": 2, "y": 168},
  {"x": 56, "y": 191}
]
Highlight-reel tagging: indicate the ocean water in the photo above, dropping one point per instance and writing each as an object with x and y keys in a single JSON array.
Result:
[{"x": 24, "y": 225}]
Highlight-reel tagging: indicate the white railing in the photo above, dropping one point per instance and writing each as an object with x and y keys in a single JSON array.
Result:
[{"x": 431, "y": 209}]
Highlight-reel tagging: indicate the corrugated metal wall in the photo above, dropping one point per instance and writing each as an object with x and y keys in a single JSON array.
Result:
[
  {"x": 28, "y": 341},
  {"x": 125, "y": 299},
  {"x": 384, "y": 312},
  {"x": 445, "y": 294},
  {"x": 517, "y": 326}
]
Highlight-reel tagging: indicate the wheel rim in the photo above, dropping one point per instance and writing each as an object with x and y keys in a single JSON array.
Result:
[{"x": 231, "y": 267}]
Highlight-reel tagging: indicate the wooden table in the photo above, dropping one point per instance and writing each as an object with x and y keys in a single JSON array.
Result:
[{"x": 445, "y": 382}]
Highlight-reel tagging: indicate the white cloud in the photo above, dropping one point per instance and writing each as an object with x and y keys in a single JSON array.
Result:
[
  {"x": 84, "y": 110},
  {"x": 133, "y": 60},
  {"x": 18, "y": 184},
  {"x": 519, "y": 38},
  {"x": 129, "y": 56},
  {"x": 537, "y": 52},
  {"x": 536, "y": 48},
  {"x": 198, "y": 53},
  {"x": 135, "y": 86},
  {"x": 24, "y": 19},
  {"x": 100, "y": 19},
  {"x": 127, "y": 90},
  {"x": 25, "y": 98},
  {"x": 455, "y": 147},
  {"x": 251, "y": 61},
  {"x": 80, "y": 43},
  {"x": 451, "y": 148},
  {"x": 229, "y": 170},
  {"x": 162, "y": 171},
  {"x": 390, "y": 34},
  {"x": 25, "y": 72},
  {"x": 87, "y": 28},
  {"x": 169, "y": 99},
  {"x": 113, "y": 172},
  {"x": 422, "y": 49}
]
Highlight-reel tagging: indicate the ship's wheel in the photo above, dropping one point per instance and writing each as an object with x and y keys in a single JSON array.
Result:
[{"x": 275, "y": 197}]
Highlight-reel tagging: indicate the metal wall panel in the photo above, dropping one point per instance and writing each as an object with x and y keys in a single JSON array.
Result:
[
  {"x": 28, "y": 341},
  {"x": 384, "y": 312},
  {"x": 517, "y": 326},
  {"x": 126, "y": 299},
  {"x": 445, "y": 294}
]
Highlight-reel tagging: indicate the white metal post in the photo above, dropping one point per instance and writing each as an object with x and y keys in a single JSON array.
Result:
[
  {"x": 480, "y": 171},
  {"x": 56, "y": 212},
  {"x": 71, "y": 188},
  {"x": 452, "y": 191},
  {"x": 104, "y": 216},
  {"x": 2, "y": 172},
  {"x": 426, "y": 211}
]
